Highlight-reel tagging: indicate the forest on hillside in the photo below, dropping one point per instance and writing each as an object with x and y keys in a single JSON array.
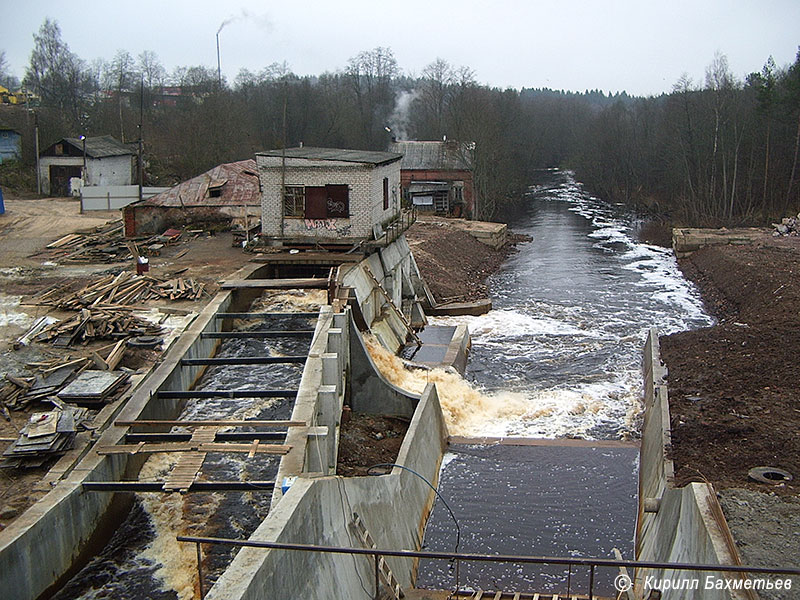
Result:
[{"x": 723, "y": 151}]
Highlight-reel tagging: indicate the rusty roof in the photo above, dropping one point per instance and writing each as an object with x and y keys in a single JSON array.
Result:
[
  {"x": 436, "y": 156},
  {"x": 237, "y": 183}
]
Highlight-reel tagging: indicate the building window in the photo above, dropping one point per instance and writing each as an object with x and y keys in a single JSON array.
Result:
[
  {"x": 317, "y": 202},
  {"x": 385, "y": 193},
  {"x": 293, "y": 201}
]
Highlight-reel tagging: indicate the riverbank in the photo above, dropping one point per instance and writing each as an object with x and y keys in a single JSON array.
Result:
[
  {"x": 453, "y": 263},
  {"x": 733, "y": 392}
]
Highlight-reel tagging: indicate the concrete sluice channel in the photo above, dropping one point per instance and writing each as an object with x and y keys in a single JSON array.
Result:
[{"x": 143, "y": 559}]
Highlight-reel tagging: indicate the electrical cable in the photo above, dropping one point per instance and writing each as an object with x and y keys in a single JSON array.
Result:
[{"x": 435, "y": 491}]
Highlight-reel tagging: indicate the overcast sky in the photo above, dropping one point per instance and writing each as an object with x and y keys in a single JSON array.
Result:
[{"x": 641, "y": 46}]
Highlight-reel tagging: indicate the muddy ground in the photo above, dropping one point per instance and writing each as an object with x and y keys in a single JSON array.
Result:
[
  {"x": 454, "y": 264},
  {"x": 26, "y": 227},
  {"x": 733, "y": 388},
  {"x": 734, "y": 398},
  {"x": 368, "y": 440}
]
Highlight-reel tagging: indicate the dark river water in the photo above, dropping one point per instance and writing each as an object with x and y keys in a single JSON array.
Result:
[
  {"x": 143, "y": 559},
  {"x": 563, "y": 346}
]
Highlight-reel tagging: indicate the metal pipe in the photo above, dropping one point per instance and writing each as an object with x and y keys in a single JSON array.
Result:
[
  {"x": 555, "y": 560},
  {"x": 254, "y": 334},
  {"x": 247, "y": 360},
  {"x": 591, "y": 582},
  {"x": 158, "y": 486},
  {"x": 172, "y": 395},
  {"x": 310, "y": 315},
  {"x": 200, "y": 570},
  {"x": 377, "y": 583}
]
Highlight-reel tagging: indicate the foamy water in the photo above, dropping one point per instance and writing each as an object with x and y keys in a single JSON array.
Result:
[
  {"x": 144, "y": 560},
  {"x": 562, "y": 348},
  {"x": 560, "y": 355}
]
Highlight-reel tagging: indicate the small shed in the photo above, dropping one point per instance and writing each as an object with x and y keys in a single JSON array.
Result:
[
  {"x": 327, "y": 195},
  {"x": 226, "y": 192},
  {"x": 101, "y": 160},
  {"x": 10, "y": 144},
  {"x": 437, "y": 177}
]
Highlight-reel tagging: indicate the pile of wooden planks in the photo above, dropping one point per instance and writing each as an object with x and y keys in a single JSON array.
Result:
[
  {"x": 46, "y": 434},
  {"x": 123, "y": 289},
  {"x": 96, "y": 323},
  {"x": 105, "y": 244}
]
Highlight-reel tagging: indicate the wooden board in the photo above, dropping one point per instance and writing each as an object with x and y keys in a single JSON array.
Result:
[
  {"x": 185, "y": 472},
  {"x": 287, "y": 284}
]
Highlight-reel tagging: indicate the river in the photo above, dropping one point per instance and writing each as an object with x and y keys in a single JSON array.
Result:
[{"x": 561, "y": 351}]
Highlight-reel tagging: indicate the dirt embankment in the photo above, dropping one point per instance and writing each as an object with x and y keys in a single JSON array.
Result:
[
  {"x": 733, "y": 391},
  {"x": 454, "y": 264}
]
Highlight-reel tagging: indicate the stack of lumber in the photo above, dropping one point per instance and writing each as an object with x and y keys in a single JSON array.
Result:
[
  {"x": 100, "y": 244},
  {"x": 104, "y": 244},
  {"x": 96, "y": 323},
  {"x": 94, "y": 387},
  {"x": 46, "y": 434},
  {"x": 124, "y": 289}
]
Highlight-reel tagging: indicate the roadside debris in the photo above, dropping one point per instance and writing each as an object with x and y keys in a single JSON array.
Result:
[
  {"x": 96, "y": 323},
  {"x": 46, "y": 434},
  {"x": 122, "y": 290},
  {"x": 106, "y": 244}
]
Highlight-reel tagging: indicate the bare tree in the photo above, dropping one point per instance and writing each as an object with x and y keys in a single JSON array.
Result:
[{"x": 57, "y": 75}]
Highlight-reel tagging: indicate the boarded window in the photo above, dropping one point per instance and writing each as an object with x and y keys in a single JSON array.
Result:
[
  {"x": 293, "y": 201},
  {"x": 316, "y": 203},
  {"x": 385, "y": 193},
  {"x": 338, "y": 201}
]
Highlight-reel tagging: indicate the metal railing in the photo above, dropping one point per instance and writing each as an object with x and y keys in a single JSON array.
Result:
[{"x": 590, "y": 563}]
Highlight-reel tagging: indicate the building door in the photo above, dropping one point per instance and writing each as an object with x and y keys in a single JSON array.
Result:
[{"x": 59, "y": 178}]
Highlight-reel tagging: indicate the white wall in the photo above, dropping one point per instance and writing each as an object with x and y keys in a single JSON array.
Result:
[
  {"x": 113, "y": 170},
  {"x": 366, "y": 196},
  {"x": 110, "y": 197}
]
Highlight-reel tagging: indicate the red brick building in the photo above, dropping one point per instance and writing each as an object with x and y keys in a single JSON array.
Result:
[{"x": 437, "y": 177}]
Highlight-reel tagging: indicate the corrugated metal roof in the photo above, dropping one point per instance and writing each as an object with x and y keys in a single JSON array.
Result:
[
  {"x": 340, "y": 154},
  {"x": 437, "y": 156},
  {"x": 239, "y": 187},
  {"x": 100, "y": 147}
]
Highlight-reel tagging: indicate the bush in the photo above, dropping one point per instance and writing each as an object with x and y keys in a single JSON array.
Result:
[{"x": 17, "y": 177}]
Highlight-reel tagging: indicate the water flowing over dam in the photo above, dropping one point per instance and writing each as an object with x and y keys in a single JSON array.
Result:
[{"x": 560, "y": 354}]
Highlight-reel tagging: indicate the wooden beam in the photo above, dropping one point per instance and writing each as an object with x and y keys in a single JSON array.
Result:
[{"x": 275, "y": 284}]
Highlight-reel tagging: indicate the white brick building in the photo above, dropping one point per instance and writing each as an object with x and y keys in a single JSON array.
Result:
[
  {"x": 329, "y": 195},
  {"x": 95, "y": 160}
]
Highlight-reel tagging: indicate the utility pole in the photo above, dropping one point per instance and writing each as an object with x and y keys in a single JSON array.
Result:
[
  {"x": 139, "y": 165},
  {"x": 36, "y": 144}
]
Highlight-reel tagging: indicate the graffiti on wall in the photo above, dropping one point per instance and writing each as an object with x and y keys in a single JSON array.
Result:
[{"x": 328, "y": 225}]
